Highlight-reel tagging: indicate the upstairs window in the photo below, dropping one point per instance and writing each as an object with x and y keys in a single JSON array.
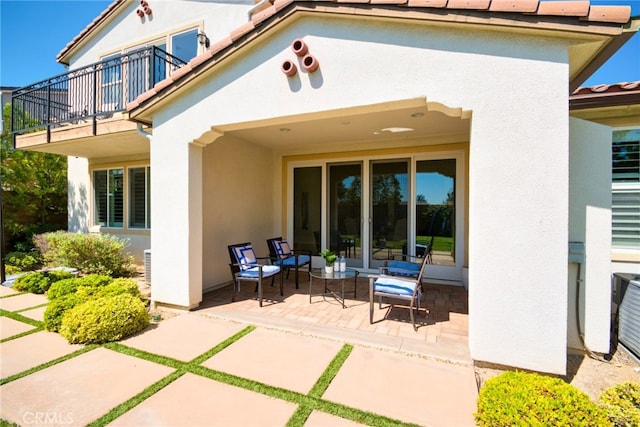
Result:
[{"x": 625, "y": 198}]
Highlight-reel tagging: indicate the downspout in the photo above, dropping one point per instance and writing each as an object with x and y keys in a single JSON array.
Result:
[
  {"x": 152, "y": 303},
  {"x": 143, "y": 132},
  {"x": 578, "y": 258}
]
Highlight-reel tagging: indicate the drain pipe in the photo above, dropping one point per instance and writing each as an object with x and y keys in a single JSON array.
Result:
[
  {"x": 143, "y": 132},
  {"x": 577, "y": 257},
  {"x": 152, "y": 303}
]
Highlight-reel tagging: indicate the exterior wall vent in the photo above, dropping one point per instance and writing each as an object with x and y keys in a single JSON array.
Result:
[{"x": 147, "y": 267}]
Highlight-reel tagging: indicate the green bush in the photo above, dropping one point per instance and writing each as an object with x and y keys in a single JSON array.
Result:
[
  {"x": 87, "y": 284},
  {"x": 118, "y": 287},
  {"x": 530, "y": 399},
  {"x": 56, "y": 309},
  {"x": 57, "y": 275},
  {"x": 89, "y": 253},
  {"x": 104, "y": 319},
  {"x": 23, "y": 261},
  {"x": 34, "y": 282},
  {"x": 622, "y": 403}
]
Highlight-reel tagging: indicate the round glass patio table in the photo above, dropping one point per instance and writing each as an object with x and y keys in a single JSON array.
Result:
[{"x": 320, "y": 273}]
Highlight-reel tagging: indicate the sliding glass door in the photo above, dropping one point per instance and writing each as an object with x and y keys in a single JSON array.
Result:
[
  {"x": 372, "y": 210},
  {"x": 389, "y": 191}
]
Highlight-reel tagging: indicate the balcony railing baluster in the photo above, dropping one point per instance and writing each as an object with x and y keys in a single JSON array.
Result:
[{"x": 93, "y": 92}]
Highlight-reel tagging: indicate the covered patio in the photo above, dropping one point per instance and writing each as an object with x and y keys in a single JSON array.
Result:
[{"x": 442, "y": 334}]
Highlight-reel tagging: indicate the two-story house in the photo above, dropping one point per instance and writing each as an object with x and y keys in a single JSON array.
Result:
[{"x": 192, "y": 125}]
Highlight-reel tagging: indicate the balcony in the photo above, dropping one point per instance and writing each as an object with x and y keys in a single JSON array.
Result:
[{"x": 83, "y": 98}]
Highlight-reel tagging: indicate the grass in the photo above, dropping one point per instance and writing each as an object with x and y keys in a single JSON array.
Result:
[{"x": 306, "y": 403}]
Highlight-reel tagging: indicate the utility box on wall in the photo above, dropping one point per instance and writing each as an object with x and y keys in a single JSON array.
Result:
[
  {"x": 626, "y": 294},
  {"x": 147, "y": 267}
]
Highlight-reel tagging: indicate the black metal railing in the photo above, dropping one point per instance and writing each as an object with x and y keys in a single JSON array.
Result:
[{"x": 90, "y": 93}]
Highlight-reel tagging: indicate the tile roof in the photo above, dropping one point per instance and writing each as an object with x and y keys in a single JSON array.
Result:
[{"x": 626, "y": 93}]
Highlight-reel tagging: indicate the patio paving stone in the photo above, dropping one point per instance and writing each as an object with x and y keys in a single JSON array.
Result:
[
  {"x": 321, "y": 419},
  {"x": 281, "y": 359},
  {"x": 26, "y": 352},
  {"x": 168, "y": 337},
  {"x": 34, "y": 313},
  {"x": 196, "y": 401},
  {"x": 20, "y": 302},
  {"x": 387, "y": 383},
  {"x": 79, "y": 390},
  {"x": 10, "y": 327},
  {"x": 5, "y": 290}
]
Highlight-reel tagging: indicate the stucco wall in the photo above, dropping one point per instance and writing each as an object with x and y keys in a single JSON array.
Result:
[
  {"x": 519, "y": 151},
  {"x": 215, "y": 18},
  {"x": 590, "y": 222},
  {"x": 78, "y": 194},
  {"x": 237, "y": 203}
]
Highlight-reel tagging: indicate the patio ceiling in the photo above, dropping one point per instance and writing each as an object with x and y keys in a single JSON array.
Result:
[{"x": 405, "y": 120}]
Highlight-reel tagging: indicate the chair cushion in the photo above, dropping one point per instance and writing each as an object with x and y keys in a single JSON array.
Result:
[
  {"x": 282, "y": 247},
  {"x": 291, "y": 261},
  {"x": 403, "y": 268},
  {"x": 390, "y": 285},
  {"x": 245, "y": 256},
  {"x": 267, "y": 271}
]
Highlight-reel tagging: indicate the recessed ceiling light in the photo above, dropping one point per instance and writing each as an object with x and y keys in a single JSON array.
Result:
[
  {"x": 346, "y": 122},
  {"x": 393, "y": 130},
  {"x": 416, "y": 115},
  {"x": 285, "y": 130}
]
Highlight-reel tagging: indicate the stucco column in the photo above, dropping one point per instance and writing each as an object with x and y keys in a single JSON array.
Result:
[
  {"x": 590, "y": 223},
  {"x": 176, "y": 220},
  {"x": 518, "y": 228}
]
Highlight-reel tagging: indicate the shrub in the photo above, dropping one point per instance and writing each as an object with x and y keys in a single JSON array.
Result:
[
  {"x": 57, "y": 308},
  {"x": 23, "y": 261},
  {"x": 529, "y": 399},
  {"x": 104, "y": 319},
  {"x": 87, "y": 284},
  {"x": 622, "y": 403},
  {"x": 57, "y": 275},
  {"x": 34, "y": 282},
  {"x": 118, "y": 287},
  {"x": 89, "y": 253}
]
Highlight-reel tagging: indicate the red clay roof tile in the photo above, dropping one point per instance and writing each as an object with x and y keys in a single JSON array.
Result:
[
  {"x": 617, "y": 14},
  {"x": 469, "y": 4},
  {"x": 564, "y": 8},
  {"x": 427, "y": 3},
  {"x": 514, "y": 6}
]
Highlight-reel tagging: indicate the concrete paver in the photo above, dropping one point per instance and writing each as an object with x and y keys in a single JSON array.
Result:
[
  {"x": 320, "y": 419},
  {"x": 31, "y": 350},
  {"x": 35, "y": 313},
  {"x": 410, "y": 389},
  {"x": 183, "y": 337},
  {"x": 281, "y": 359},
  {"x": 10, "y": 327},
  {"x": 22, "y": 301},
  {"x": 196, "y": 401},
  {"x": 79, "y": 390}
]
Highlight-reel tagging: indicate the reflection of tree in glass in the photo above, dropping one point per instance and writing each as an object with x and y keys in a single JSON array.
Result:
[{"x": 386, "y": 188}]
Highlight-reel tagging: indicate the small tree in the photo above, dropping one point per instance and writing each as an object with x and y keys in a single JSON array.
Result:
[{"x": 34, "y": 191}]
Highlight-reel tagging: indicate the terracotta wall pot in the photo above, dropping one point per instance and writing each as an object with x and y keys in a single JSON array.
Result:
[
  {"x": 289, "y": 68},
  {"x": 310, "y": 63},
  {"x": 299, "y": 47}
]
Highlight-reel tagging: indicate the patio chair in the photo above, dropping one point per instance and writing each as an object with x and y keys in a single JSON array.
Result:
[
  {"x": 400, "y": 283},
  {"x": 286, "y": 258},
  {"x": 244, "y": 267}
]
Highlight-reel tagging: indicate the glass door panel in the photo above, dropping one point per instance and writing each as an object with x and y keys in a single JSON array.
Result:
[
  {"x": 345, "y": 211},
  {"x": 307, "y": 210},
  {"x": 436, "y": 210},
  {"x": 389, "y": 210}
]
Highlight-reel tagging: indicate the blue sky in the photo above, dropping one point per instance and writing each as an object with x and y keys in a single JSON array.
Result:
[{"x": 33, "y": 32}]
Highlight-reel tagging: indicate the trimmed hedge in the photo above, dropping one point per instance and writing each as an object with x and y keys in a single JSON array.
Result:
[
  {"x": 64, "y": 287},
  {"x": 38, "y": 282},
  {"x": 530, "y": 399},
  {"x": 57, "y": 308},
  {"x": 104, "y": 319},
  {"x": 622, "y": 403}
]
